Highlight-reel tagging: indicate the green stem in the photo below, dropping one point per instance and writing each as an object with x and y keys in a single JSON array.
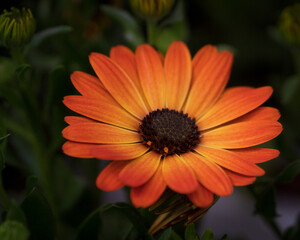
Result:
[
  {"x": 151, "y": 31},
  {"x": 17, "y": 55},
  {"x": 273, "y": 225}
]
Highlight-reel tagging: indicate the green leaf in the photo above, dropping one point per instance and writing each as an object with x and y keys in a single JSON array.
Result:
[
  {"x": 208, "y": 235},
  {"x": 166, "y": 235},
  {"x": 4, "y": 137},
  {"x": 289, "y": 173},
  {"x": 13, "y": 230},
  {"x": 190, "y": 232},
  {"x": 31, "y": 182},
  {"x": 133, "y": 33},
  {"x": 21, "y": 71},
  {"x": 15, "y": 213},
  {"x": 290, "y": 89},
  {"x": 225, "y": 237},
  {"x": 103, "y": 222},
  {"x": 39, "y": 215}
]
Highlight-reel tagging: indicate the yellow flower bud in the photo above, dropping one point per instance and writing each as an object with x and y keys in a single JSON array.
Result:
[
  {"x": 16, "y": 27},
  {"x": 154, "y": 9},
  {"x": 289, "y": 24}
]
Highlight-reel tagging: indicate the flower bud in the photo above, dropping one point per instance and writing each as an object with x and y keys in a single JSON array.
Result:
[
  {"x": 154, "y": 9},
  {"x": 16, "y": 27},
  {"x": 289, "y": 24}
]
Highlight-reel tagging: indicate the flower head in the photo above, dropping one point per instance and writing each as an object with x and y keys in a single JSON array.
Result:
[{"x": 169, "y": 123}]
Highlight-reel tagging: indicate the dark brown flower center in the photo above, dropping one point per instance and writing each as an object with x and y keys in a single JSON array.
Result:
[{"x": 169, "y": 131}]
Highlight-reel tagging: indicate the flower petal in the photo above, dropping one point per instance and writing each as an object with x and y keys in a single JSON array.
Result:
[
  {"x": 178, "y": 70},
  {"x": 140, "y": 170},
  {"x": 151, "y": 75},
  {"x": 208, "y": 85},
  {"x": 119, "y": 85},
  {"x": 209, "y": 174},
  {"x": 230, "y": 160},
  {"x": 108, "y": 179},
  {"x": 256, "y": 155},
  {"x": 261, "y": 113},
  {"x": 87, "y": 84},
  {"x": 147, "y": 194},
  {"x": 76, "y": 119},
  {"x": 234, "y": 103},
  {"x": 91, "y": 132},
  {"x": 239, "y": 179},
  {"x": 79, "y": 150},
  {"x": 103, "y": 110},
  {"x": 241, "y": 135},
  {"x": 178, "y": 175},
  {"x": 119, "y": 151},
  {"x": 201, "y": 197}
]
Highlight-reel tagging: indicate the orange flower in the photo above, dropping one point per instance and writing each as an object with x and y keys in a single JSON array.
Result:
[{"x": 167, "y": 122}]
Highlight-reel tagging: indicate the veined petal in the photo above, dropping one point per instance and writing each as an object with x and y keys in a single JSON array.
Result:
[
  {"x": 90, "y": 132},
  {"x": 108, "y": 179},
  {"x": 241, "y": 135},
  {"x": 77, "y": 119},
  {"x": 119, "y": 151},
  {"x": 230, "y": 160},
  {"x": 208, "y": 84},
  {"x": 261, "y": 113},
  {"x": 209, "y": 174},
  {"x": 106, "y": 111},
  {"x": 178, "y": 175},
  {"x": 151, "y": 75},
  {"x": 256, "y": 155},
  {"x": 119, "y": 85},
  {"x": 140, "y": 170},
  {"x": 178, "y": 71},
  {"x": 239, "y": 179},
  {"x": 147, "y": 194},
  {"x": 87, "y": 84},
  {"x": 201, "y": 197},
  {"x": 79, "y": 150},
  {"x": 234, "y": 103}
]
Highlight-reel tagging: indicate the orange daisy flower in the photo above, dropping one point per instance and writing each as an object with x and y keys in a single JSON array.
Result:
[{"x": 169, "y": 122}]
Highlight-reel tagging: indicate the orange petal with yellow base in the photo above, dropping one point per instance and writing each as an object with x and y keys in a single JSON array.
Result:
[
  {"x": 239, "y": 179},
  {"x": 118, "y": 84},
  {"x": 209, "y": 84},
  {"x": 108, "y": 179},
  {"x": 178, "y": 174},
  {"x": 241, "y": 135},
  {"x": 147, "y": 194},
  {"x": 209, "y": 174},
  {"x": 104, "y": 111},
  {"x": 151, "y": 74},
  {"x": 139, "y": 171},
  {"x": 234, "y": 103},
  {"x": 229, "y": 160},
  {"x": 201, "y": 197},
  {"x": 256, "y": 155},
  {"x": 90, "y": 132},
  {"x": 79, "y": 150},
  {"x": 77, "y": 119},
  {"x": 178, "y": 71},
  {"x": 119, "y": 151}
]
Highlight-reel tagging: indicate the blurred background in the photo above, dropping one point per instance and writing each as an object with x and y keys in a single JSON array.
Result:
[{"x": 265, "y": 39}]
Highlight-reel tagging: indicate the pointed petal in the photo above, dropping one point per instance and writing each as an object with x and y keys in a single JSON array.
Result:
[
  {"x": 209, "y": 174},
  {"x": 239, "y": 179},
  {"x": 261, "y": 113},
  {"x": 178, "y": 175},
  {"x": 108, "y": 179},
  {"x": 79, "y": 150},
  {"x": 119, "y": 151},
  {"x": 234, "y": 103},
  {"x": 147, "y": 194},
  {"x": 201, "y": 197},
  {"x": 76, "y": 119},
  {"x": 151, "y": 75},
  {"x": 241, "y": 135},
  {"x": 230, "y": 160},
  {"x": 140, "y": 170},
  {"x": 208, "y": 85},
  {"x": 87, "y": 84},
  {"x": 118, "y": 84},
  {"x": 256, "y": 155},
  {"x": 104, "y": 111},
  {"x": 90, "y": 132},
  {"x": 178, "y": 70}
]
